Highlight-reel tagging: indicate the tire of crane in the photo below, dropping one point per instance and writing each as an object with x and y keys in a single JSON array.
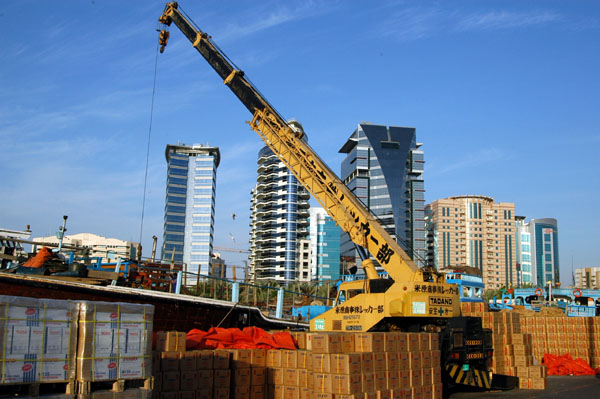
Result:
[
  {"x": 538, "y": 292},
  {"x": 577, "y": 293}
]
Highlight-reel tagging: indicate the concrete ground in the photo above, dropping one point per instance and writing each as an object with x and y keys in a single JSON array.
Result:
[{"x": 559, "y": 387}]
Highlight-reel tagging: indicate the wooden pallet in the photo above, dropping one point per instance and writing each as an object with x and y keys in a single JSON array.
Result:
[
  {"x": 87, "y": 387},
  {"x": 37, "y": 388}
]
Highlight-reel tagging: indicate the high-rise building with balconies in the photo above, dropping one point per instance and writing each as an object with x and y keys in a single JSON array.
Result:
[
  {"x": 473, "y": 230},
  {"x": 279, "y": 219},
  {"x": 190, "y": 205},
  {"x": 383, "y": 167}
]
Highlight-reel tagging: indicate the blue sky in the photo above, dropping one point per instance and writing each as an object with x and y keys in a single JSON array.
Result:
[{"x": 503, "y": 94}]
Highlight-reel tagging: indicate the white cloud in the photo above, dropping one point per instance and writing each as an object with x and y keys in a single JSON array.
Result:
[
  {"x": 412, "y": 23},
  {"x": 506, "y": 20}
]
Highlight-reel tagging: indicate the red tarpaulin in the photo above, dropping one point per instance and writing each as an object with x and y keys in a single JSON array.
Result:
[
  {"x": 44, "y": 255},
  {"x": 248, "y": 338},
  {"x": 566, "y": 365}
]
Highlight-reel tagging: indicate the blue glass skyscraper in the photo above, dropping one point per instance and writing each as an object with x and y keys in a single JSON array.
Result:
[
  {"x": 383, "y": 167},
  {"x": 190, "y": 205},
  {"x": 325, "y": 246}
]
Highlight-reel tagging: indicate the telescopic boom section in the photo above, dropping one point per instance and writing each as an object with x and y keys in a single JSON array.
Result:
[{"x": 341, "y": 204}]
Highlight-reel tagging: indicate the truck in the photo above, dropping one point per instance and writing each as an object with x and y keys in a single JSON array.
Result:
[{"x": 410, "y": 299}]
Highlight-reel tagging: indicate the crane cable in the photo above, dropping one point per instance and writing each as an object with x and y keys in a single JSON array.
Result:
[{"x": 148, "y": 145}]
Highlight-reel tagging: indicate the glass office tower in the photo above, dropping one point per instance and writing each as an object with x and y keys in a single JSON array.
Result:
[
  {"x": 383, "y": 167},
  {"x": 325, "y": 246},
  {"x": 190, "y": 205}
]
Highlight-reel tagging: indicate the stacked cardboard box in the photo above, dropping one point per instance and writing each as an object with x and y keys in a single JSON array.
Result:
[
  {"x": 132, "y": 393},
  {"x": 181, "y": 374},
  {"x": 560, "y": 335},
  {"x": 115, "y": 341},
  {"x": 513, "y": 347},
  {"x": 351, "y": 366},
  {"x": 37, "y": 340}
]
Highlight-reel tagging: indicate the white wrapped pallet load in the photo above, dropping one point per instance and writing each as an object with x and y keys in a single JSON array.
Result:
[
  {"x": 115, "y": 341},
  {"x": 37, "y": 340}
]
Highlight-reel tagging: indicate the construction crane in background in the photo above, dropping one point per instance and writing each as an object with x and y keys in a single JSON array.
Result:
[
  {"x": 233, "y": 267},
  {"x": 225, "y": 249}
]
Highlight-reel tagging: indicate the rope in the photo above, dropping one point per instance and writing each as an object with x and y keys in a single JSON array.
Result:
[{"x": 148, "y": 146}]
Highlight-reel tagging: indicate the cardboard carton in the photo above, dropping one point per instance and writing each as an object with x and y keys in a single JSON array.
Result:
[
  {"x": 275, "y": 392},
  {"x": 204, "y": 360},
  {"x": 302, "y": 361},
  {"x": 291, "y": 377},
  {"x": 115, "y": 341},
  {"x": 401, "y": 342},
  {"x": 221, "y": 393},
  {"x": 205, "y": 393},
  {"x": 379, "y": 361},
  {"x": 170, "y": 381},
  {"x": 289, "y": 358},
  {"x": 437, "y": 391},
  {"x": 37, "y": 340},
  {"x": 239, "y": 358},
  {"x": 380, "y": 380},
  {"x": 368, "y": 342},
  {"x": 390, "y": 342},
  {"x": 366, "y": 360},
  {"x": 188, "y": 380},
  {"x": 325, "y": 343},
  {"x": 303, "y": 376},
  {"x": 393, "y": 382},
  {"x": 392, "y": 362},
  {"x": 345, "y": 384},
  {"x": 347, "y": 342},
  {"x": 187, "y": 360},
  {"x": 258, "y": 392},
  {"x": 368, "y": 382},
  {"x": 291, "y": 392},
  {"x": 221, "y": 378},
  {"x": 322, "y": 383},
  {"x": 299, "y": 339},
  {"x": 321, "y": 363},
  {"x": 241, "y": 377},
  {"x": 241, "y": 391},
  {"x": 258, "y": 376},
  {"x": 169, "y": 361},
  {"x": 274, "y": 358},
  {"x": 346, "y": 363},
  {"x": 221, "y": 359},
  {"x": 275, "y": 376},
  {"x": 383, "y": 394},
  {"x": 205, "y": 378},
  {"x": 171, "y": 341}
]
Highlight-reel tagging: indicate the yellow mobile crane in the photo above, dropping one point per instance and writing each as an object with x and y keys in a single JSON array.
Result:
[{"x": 411, "y": 299}]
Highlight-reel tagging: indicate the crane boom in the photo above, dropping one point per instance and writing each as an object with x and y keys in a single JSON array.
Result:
[
  {"x": 341, "y": 204},
  {"x": 412, "y": 299}
]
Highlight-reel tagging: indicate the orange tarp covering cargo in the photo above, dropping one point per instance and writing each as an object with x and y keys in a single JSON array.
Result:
[
  {"x": 248, "y": 338},
  {"x": 566, "y": 365},
  {"x": 43, "y": 256}
]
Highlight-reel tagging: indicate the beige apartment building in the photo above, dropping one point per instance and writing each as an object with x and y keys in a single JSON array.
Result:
[
  {"x": 473, "y": 231},
  {"x": 109, "y": 249},
  {"x": 587, "y": 277}
]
